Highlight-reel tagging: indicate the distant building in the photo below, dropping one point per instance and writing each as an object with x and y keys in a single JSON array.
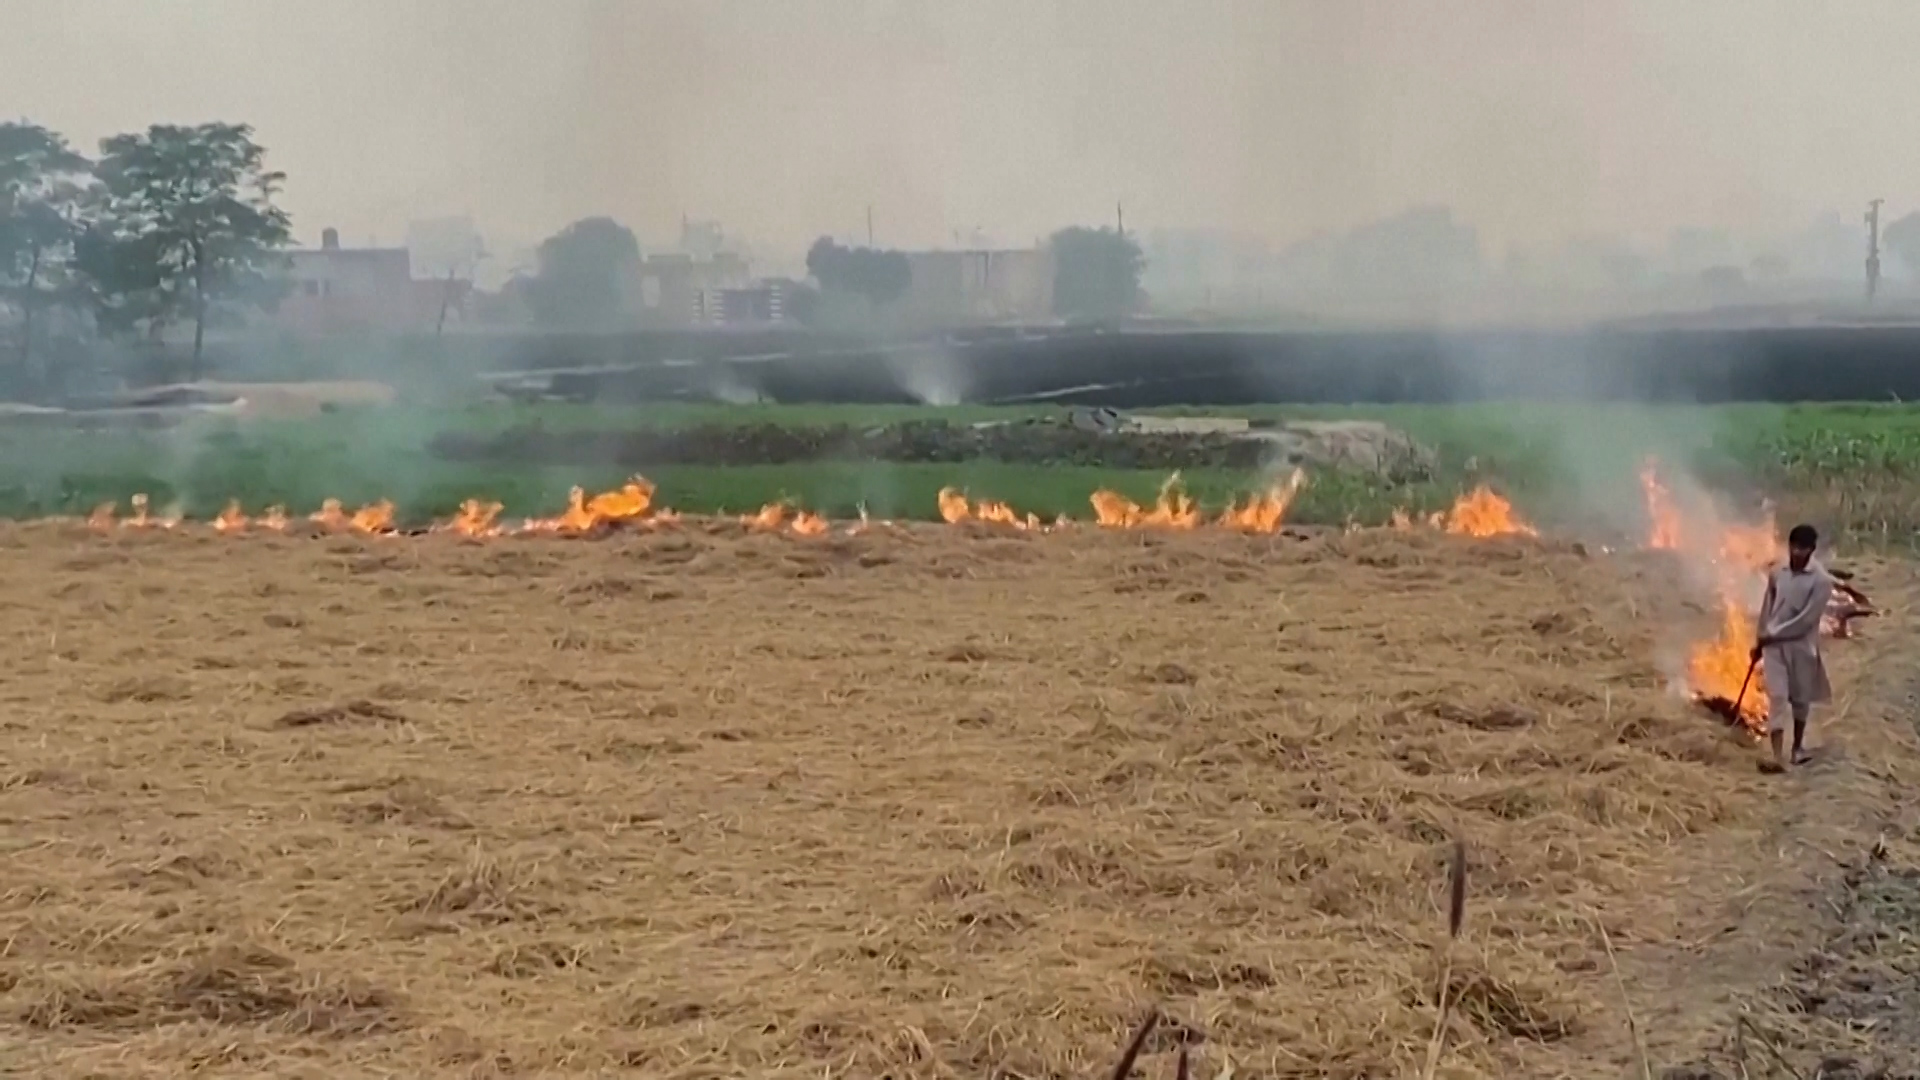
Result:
[
  {"x": 959, "y": 287},
  {"x": 762, "y": 303},
  {"x": 334, "y": 289},
  {"x": 674, "y": 290}
]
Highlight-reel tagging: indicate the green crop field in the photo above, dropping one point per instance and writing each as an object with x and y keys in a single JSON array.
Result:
[{"x": 1851, "y": 467}]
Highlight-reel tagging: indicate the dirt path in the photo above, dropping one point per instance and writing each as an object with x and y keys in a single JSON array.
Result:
[{"x": 1806, "y": 964}]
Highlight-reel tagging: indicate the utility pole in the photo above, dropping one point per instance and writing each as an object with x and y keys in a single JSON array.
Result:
[
  {"x": 1873, "y": 248},
  {"x": 1119, "y": 219}
]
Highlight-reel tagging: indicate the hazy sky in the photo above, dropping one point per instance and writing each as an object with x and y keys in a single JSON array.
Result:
[{"x": 785, "y": 118}]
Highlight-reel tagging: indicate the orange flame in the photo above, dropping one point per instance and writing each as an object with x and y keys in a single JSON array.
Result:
[
  {"x": 1172, "y": 509},
  {"x": 377, "y": 518},
  {"x": 232, "y": 519},
  {"x": 1716, "y": 667},
  {"x": 769, "y": 519},
  {"x": 235, "y": 520},
  {"x": 1263, "y": 513},
  {"x": 956, "y": 508},
  {"x": 1719, "y": 667},
  {"x": 1481, "y": 513},
  {"x": 1731, "y": 547},
  {"x": 1755, "y": 548},
  {"x": 1663, "y": 517},
  {"x": 476, "y": 519},
  {"x": 372, "y": 519},
  {"x": 781, "y": 517},
  {"x": 629, "y": 503},
  {"x": 633, "y": 503}
]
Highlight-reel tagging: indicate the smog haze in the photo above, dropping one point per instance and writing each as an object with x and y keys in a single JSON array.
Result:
[{"x": 786, "y": 120}]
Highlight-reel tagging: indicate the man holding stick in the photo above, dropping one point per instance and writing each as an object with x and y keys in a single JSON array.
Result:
[{"x": 1789, "y": 646}]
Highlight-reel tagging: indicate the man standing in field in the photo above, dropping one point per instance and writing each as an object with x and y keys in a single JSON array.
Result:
[{"x": 1789, "y": 645}]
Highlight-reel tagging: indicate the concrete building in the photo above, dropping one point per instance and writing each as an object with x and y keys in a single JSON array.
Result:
[
  {"x": 675, "y": 289},
  {"x": 764, "y": 303},
  {"x": 959, "y": 287},
  {"x": 334, "y": 289}
]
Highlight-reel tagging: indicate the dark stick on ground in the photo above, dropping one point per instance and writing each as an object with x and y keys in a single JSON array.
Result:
[
  {"x": 1456, "y": 918},
  {"x": 1457, "y": 889},
  {"x": 1132, "y": 1053}
]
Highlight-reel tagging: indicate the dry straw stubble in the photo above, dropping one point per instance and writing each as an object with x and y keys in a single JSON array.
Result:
[{"x": 926, "y": 804}]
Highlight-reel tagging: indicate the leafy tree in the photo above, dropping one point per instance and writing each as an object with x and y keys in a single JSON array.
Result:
[
  {"x": 187, "y": 221},
  {"x": 127, "y": 279},
  {"x": 585, "y": 275},
  {"x": 882, "y": 277},
  {"x": 42, "y": 185},
  {"x": 1096, "y": 273}
]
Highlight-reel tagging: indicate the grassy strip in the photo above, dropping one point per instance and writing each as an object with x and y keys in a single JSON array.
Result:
[
  {"x": 840, "y": 489},
  {"x": 1855, "y": 467}
]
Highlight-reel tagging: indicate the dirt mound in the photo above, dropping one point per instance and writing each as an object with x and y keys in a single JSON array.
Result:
[
  {"x": 1365, "y": 445},
  {"x": 720, "y": 798}
]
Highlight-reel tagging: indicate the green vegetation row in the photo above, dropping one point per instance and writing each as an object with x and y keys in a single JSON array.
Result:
[{"x": 1852, "y": 467}]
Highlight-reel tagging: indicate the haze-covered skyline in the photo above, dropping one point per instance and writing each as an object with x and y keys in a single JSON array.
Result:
[{"x": 786, "y": 120}]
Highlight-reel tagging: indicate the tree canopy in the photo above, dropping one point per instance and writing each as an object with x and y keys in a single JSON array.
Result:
[
  {"x": 187, "y": 220},
  {"x": 43, "y": 184},
  {"x": 880, "y": 276},
  {"x": 586, "y": 275},
  {"x": 1096, "y": 273}
]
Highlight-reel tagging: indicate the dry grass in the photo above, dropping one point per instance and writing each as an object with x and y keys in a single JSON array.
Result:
[{"x": 933, "y": 804}]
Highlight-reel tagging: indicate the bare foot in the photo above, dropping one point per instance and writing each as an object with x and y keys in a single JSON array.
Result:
[
  {"x": 1772, "y": 767},
  {"x": 1802, "y": 757}
]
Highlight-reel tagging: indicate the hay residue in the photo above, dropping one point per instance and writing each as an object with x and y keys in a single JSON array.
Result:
[
  {"x": 234, "y": 984},
  {"x": 951, "y": 807}
]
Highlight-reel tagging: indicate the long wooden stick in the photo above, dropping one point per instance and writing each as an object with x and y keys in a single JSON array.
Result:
[
  {"x": 1134, "y": 1045},
  {"x": 1744, "y": 683}
]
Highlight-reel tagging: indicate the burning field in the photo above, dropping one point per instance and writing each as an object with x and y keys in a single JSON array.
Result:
[
  {"x": 297, "y": 796},
  {"x": 1734, "y": 556}
]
